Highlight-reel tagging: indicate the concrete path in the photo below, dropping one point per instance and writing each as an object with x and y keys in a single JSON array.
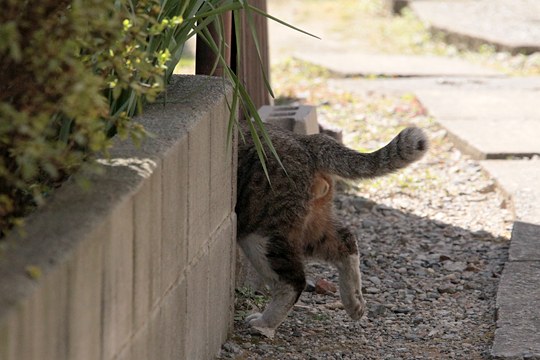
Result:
[{"x": 488, "y": 115}]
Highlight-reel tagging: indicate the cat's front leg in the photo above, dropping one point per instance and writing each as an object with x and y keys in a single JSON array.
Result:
[
  {"x": 283, "y": 298},
  {"x": 277, "y": 263},
  {"x": 350, "y": 286}
]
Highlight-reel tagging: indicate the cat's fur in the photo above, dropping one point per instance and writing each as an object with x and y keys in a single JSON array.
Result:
[{"x": 290, "y": 219}]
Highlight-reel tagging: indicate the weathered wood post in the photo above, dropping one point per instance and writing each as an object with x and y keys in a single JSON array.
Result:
[
  {"x": 205, "y": 58},
  {"x": 250, "y": 68}
]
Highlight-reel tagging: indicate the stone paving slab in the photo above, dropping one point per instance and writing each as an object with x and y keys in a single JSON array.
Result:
[
  {"x": 362, "y": 64},
  {"x": 439, "y": 83},
  {"x": 488, "y": 138},
  {"x": 509, "y": 25},
  {"x": 477, "y": 104},
  {"x": 518, "y": 318},
  {"x": 519, "y": 277},
  {"x": 489, "y": 124},
  {"x": 525, "y": 244},
  {"x": 520, "y": 179},
  {"x": 488, "y": 118}
]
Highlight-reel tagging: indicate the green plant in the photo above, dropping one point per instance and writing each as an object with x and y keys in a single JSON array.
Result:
[
  {"x": 74, "y": 72},
  {"x": 248, "y": 299},
  {"x": 321, "y": 317}
]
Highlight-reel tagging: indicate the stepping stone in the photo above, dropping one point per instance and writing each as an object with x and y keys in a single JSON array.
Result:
[
  {"x": 416, "y": 84},
  {"x": 518, "y": 319},
  {"x": 510, "y": 25},
  {"x": 521, "y": 180},
  {"x": 362, "y": 64},
  {"x": 488, "y": 120},
  {"x": 525, "y": 244},
  {"x": 365, "y": 86}
]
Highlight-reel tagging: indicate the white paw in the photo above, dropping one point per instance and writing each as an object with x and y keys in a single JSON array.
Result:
[
  {"x": 253, "y": 316},
  {"x": 259, "y": 327},
  {"x": 357, "y": 311},
  {"x": 355, "y": 306}
]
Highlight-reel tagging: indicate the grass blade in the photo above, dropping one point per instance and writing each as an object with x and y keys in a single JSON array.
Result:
[{"x": 265, "y": 14}]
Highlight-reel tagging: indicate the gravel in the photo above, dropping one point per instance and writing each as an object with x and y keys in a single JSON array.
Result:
[{"x": 433, "y": 241}]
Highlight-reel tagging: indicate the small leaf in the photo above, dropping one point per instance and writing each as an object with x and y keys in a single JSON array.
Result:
[{"x": 34, "y": 272}]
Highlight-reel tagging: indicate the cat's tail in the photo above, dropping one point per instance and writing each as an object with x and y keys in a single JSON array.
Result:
[{"x": 407, "y": 147}]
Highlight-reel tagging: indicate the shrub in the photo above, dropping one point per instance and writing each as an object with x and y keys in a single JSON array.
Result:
[{"x": 72, "y": 73}]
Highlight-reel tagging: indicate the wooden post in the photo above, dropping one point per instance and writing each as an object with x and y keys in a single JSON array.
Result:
[
  {"x": 205, "y": 58},
  {"x": 250, "y": 69}
]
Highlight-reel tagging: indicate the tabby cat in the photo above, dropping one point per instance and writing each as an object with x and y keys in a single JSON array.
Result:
[{"x": 283, "y": 222}]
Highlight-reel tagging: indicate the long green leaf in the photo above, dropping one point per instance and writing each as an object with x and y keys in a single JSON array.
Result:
[
  {"x": 198, "y": 16},
  {"x": 259, "y": 11}
]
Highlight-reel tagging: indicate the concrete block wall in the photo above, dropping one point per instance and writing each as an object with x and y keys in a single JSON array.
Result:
[
  {"x": 141, "y": 266},
  {"x": 301, "y": 119}
]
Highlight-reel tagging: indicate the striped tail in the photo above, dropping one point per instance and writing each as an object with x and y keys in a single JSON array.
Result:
[{"x": 407, "y": 147}]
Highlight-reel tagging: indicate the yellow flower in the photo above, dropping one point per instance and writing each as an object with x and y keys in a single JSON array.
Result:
[{"x": 127, "y": 24}]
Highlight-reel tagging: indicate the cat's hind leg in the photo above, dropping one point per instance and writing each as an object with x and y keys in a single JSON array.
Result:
[
  {"x": 350, "y": 286},
  {"x": 282, "y": 269},
  {"x": 339, "y": 248},
  {"x": 350, "y": 278}
]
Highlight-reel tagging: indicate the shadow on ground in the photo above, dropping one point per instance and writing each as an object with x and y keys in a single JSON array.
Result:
[{"x": 430, "y": 288}]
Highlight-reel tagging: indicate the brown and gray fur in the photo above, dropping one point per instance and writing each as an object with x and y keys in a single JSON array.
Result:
[{"x": 290, "y": 219}]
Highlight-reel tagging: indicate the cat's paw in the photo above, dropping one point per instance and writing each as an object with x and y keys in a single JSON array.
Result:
[
  {"x": 357, "y": 311},
  {"x": 259, "y": 327},
  {"x": 253, "y": 316},
  {"x": 356, "y": 307}
]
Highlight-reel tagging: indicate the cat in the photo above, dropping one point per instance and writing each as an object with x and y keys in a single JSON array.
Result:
[{"x": 289, "y": 219}]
